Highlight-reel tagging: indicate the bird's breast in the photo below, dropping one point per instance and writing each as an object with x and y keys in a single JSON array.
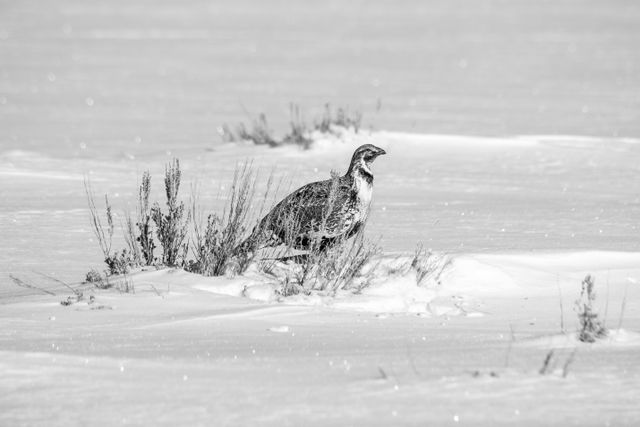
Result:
[{"x": 364, "y": 192}]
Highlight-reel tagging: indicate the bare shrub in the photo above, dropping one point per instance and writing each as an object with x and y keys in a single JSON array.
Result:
[
  {"x": 428, "y": 265},
  {"x": 219, "y": 245},
  {"x": 299, "y": 134},
  {"x": 145, "y": 235},
  {"x": 125, "y": 284},
  {"x": 171, "y": 227},
  {"x": 94, "y": 277},
  {"x": 261, "y": 133},
  {"x": 591, "y": 328},
  {"x": 342, "y": 266},
  {"x": 120, "y": 262},
  {"x": 227, "y": 134},
  {"x": 343, "y": 118},
  {"x": 131, "y": 240}
]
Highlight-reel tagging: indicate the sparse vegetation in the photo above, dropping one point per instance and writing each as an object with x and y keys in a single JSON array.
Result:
[
  {"x": 347, "y": 265},
  {"x": 300, "y": 133},
  {"x": 95, "y": 278},
  {"x": 25, "y": 284},
  {"x": 429, "y": 265},
  {"x": 551, "y": 361},
  {"x": 117, "y": 262},
  {"x": 591, "y": 328},
  {"x": 217, "y": 245},
  {"x": 145, "y": 236},
  {"x": 102, "y": 233},
  {"x": 260, "y": 133},
  {"x": 171, "y": 228},
  {"x": 120, "y": 262},
  {"x": 131, "y": 240},
  {"x": 343, "y": 118}
]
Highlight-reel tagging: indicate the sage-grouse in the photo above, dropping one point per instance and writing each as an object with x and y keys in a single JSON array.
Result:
[{"x": 319, "y": 214}]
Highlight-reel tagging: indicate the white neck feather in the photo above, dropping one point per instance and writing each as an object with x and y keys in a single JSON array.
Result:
[
  {"x": 364, "y": 189},
  {"x": 365, "y": 167}
]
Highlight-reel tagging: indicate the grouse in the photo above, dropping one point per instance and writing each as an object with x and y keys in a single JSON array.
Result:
[{"x": 319, "y": 214}]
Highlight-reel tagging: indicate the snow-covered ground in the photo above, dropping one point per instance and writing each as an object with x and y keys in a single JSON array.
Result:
[
  {"x": 106, "y": 92},
  {"x": 523, "y": 220}
]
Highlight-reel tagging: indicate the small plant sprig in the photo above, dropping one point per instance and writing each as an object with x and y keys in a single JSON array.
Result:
[
  {"x": 145, "y": 236},
  {"x": 429, "y": 265},
  {"x": 129, "y": 231},
  {"x": 117, "y": 263},
  {"x": 299, "y": 134},
  {"x": 102, "y": 233},
  {"x": 343, "y": 118},
  {"x": 171, "y": 227},
  {"x": 591, "y": 328}
]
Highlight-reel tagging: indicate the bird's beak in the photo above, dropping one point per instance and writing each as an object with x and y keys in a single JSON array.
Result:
[{"x": 380, "y": 152}]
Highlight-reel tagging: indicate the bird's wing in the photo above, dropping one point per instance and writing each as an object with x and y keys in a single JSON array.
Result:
[{"x": 313, "y": 207}]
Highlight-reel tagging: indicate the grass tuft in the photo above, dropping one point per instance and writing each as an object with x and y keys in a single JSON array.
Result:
[
  {"x": 428, "y": 265},
  {"x": 219, "y": 248},
  {"x": 342, "y": 118},
  {"x": 299, "y": 133},
  {"x": 591, "y": 328},
  {"x": 331, "y": 122},
  {"x": 145, "y": 235},
  {"x": 102, "y": 233},
  {"x": 171, "y": 228}
]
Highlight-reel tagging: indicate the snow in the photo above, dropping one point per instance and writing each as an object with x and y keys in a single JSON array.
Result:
[
  {"x": 464, "y": 347},
  {"x": 513, "y": 147}
]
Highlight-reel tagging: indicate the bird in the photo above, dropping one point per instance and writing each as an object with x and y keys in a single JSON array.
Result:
[{"x": 320, "y": 214}]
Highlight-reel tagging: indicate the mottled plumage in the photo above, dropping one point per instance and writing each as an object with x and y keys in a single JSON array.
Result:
[{"x": 323, "y": 211}]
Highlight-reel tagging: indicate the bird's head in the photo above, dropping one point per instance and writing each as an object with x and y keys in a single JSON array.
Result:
[{"x": 363, "y": 157}]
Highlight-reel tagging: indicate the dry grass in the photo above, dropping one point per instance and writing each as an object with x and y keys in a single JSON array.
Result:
[
  {"x": 346, "y": 265},
  {"x": 343, "y": 118},
  {"x": 145, "y": 236},
  {"x": 131, "y": 240},
  {"x": 331, "y": 122},
  {"x": 219, "y": 247},
  {"x": 260, "y": 133},
  {"x": 104, "y": 234},
  {"x": 117, "y": 262},
  {"x": 299, "y": 133},
  {"x": 591, "y": 328},
  {"x": 428, "y": 265},
  {"x": 171, "y": 228}
]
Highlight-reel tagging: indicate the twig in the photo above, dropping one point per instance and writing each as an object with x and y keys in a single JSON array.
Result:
[
  {"x": 547, "y": 361},
  {"x": 383, "y": 374},
  {"x": 156, "y": 290},
  {"x": 561, "y": 306},
  {"x": 513, "y": 338},
  {"x": 606, "y": 306},
  {"x": 75, "y": 291},
  {"x": 565, "y": 368},
  {"x": 624, "y": 305},
  {"x": 24, "y": 284}
]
